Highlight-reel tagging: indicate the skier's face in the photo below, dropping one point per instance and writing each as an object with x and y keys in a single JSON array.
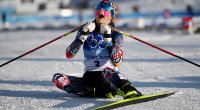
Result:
[{"x": 103, "y": 16}]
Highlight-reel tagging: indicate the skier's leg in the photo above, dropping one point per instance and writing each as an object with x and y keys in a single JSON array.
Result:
[
  {"x": 70, "y": 84},
  {"x": 120, "y": 82},
  {"x": 95, "y": 85},
  {"x": 109, "y": 88}
]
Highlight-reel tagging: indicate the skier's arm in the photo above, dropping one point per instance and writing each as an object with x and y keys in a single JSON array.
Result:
[
  {"x": 80, "y": 39},
  {"x": 114, "y": 41},
  {"x": 117, "y": 52},
  {"x": 73, "y": 48}
]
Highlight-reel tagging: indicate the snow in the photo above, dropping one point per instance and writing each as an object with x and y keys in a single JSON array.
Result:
[{"x": 25, "y": 84}]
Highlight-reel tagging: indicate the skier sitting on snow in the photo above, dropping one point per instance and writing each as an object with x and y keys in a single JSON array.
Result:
[{"x": 102, "y": 56}]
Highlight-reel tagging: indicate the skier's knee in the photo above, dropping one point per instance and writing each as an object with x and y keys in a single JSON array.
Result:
[{"x": 108, "y": 73}]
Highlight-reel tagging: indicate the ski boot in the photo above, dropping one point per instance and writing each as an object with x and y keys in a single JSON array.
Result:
[
  {"x": 60, "y": 80},
  {"x": 130, "y": 91},
  {"x": 110, "y": 95},
  {"x": 114, "y": 93}
]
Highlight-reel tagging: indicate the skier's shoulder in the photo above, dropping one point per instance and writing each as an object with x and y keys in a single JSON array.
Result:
[{"x": 115, "y": 33}]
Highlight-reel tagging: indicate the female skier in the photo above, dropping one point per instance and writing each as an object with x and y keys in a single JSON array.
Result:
[{"x": 103, "y": 54}]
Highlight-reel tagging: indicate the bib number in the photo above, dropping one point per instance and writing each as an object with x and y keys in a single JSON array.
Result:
[{"x": 97, "y": 63}]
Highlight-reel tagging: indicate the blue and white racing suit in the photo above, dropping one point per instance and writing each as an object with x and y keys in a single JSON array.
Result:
[
  {"x": 97, "y": 59},
  {"x": 96, "y": 50}
]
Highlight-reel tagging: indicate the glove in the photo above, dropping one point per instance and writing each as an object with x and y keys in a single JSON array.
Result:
[
  {"x": 89, "y": 27},
  {"x": 73, "y": 48},
  {"x": 69, "y": 54},
  {"x": 106, "y": 30},
  {"x": 116, "y": 56}
]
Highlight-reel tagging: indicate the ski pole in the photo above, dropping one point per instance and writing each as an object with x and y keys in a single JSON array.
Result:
[
  {"x": 161, "y": 49},
  {"x": 42, "y": 45}
]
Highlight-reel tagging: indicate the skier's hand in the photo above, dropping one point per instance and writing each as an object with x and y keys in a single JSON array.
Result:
[
  {"x": 73, "y": 48},
  {"x": 106, "y": 30},
  {"x": 69, "y": 54},
  {"x": 116, "y": 56},
  {"x": 89, "y": 27}
]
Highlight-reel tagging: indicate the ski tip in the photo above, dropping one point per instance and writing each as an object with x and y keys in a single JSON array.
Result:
[{"x": 170, "y": 92}]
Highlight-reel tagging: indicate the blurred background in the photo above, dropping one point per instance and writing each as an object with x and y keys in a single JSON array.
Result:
[{"x": 132, "y": 14}]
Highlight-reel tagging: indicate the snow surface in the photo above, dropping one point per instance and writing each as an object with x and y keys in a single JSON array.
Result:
[{"x": 25, "y": 84}]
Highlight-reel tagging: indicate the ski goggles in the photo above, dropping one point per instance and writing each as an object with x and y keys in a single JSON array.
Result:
[
  {"x": 107, "y": 9},
  {"x": 106, "y": 13}
]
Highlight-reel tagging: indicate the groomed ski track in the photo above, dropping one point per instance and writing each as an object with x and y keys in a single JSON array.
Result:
[{"x": 25, "y": 84}]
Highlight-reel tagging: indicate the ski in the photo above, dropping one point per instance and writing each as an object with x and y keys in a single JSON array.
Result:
[{"x": 135, "y": 100}]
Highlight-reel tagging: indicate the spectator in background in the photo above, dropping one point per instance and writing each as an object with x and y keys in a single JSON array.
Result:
[
  {"x": 166, "y": 13},
  {"x": 190, "y": 11},
  {"x": 3, "y": 17},
  {"x": 136, "y": 9},
  {"x": 80, "y": 16},
  {"x": 140, "y": 20},
  {"x": 187, "y": 22}
]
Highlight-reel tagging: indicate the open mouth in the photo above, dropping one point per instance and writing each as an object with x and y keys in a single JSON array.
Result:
[{"x": 101, "y": 16}]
